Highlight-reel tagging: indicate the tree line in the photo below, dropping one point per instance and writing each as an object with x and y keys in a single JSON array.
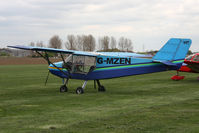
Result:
[{"x": 88, "y": 43}]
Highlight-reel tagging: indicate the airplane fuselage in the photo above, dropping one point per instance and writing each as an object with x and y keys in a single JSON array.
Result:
[{"x": 107, "y": 67}]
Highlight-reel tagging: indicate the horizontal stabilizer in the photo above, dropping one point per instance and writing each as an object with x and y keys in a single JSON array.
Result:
[{"x": 168, "y": 63}]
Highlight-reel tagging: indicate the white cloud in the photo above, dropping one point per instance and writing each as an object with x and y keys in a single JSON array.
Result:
[
  {"x": 2, "y": 18},
  {"x": 146, "y": 22}
]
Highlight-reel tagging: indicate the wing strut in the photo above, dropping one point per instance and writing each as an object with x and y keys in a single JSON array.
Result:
[
  {"x": 62, "y": 58},
  {"x": 46, "y": 57}
]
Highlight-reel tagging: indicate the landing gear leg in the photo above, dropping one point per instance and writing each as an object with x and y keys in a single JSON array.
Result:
[
  {"x": 177, "y": 77},
  {"x": 101, "y": 88},
  {"x": 64, "y": 88},
  {"x": 80, "y": 90}
]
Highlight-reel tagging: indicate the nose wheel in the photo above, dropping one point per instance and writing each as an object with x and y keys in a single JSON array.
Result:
[{"x": 63, "y": 88}]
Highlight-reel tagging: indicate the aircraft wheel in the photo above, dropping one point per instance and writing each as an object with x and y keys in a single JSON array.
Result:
[
  {"x": 101, "y": 89},
  {"x": 63, "y": 88},
  {"x": 79, "y": 90}
]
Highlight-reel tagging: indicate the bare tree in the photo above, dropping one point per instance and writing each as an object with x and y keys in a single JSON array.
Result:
[
  {"x": 121, "y": 43},
  {"x": 125, "y": 44},
  {"x": 32, "y": 44},
  {"x": 113, "y": 43},
  {"x": 71, "y": 42},
  {"x": 85, "y": 42},
  {"x": 55, "y": 42},
  {"x": 80, "y": 42},
  {"x": 92, "y": 43},
  {"x": 104, "y": 43},
  {"x": 39, "y": 44},
  {"x": 128, "y": 45},
  {"x": 89, "y": 43}
]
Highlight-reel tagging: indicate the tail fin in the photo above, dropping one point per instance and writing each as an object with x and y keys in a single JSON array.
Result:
[{"x": 174, "y": 49}]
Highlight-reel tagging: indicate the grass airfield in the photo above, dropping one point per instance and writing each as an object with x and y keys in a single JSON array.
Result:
[{"x": 143, "y": 103}]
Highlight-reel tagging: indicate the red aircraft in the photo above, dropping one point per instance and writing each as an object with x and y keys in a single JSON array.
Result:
[{"x": 191, "y": 64}]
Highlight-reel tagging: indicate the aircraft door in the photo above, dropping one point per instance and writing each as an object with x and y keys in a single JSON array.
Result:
[{"x": 83, "y": 64}]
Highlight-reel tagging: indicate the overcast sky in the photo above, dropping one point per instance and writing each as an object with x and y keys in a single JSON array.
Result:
[{"x": 146, "y": 22}]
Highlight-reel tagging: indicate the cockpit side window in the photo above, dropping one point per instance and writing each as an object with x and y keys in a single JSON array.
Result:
[
  {"x": 83, "y": 64},
  {"x": 80, "y": 64},
  {"x": 196, "y": 58},
  {"x": 90, "y": 63}
]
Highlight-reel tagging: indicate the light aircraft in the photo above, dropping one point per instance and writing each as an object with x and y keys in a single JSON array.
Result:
[
  {"x": 191, "y": 65},
  {"x": 106, "y": 65}
]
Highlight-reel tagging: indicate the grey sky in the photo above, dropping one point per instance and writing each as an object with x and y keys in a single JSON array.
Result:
[{"x": 146, "y": 22}]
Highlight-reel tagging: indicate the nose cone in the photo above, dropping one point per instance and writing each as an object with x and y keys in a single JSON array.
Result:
[
  {"x": 55, "y": 66},
  {"x": 57, "y": 69}
]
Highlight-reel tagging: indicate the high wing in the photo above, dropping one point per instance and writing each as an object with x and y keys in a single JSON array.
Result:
[
  {"x": 120, "y": 54},
  {"x": 40, "y": 49}
]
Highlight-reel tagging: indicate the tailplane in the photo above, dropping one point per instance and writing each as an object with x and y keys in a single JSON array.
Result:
[{"x": 175, "y": 49}]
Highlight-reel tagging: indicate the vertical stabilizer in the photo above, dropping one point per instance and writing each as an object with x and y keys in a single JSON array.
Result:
[{"x": 174, "y": 49}]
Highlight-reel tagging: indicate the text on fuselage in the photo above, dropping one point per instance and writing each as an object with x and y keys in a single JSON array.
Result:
[{"x": 114, "y": 60}]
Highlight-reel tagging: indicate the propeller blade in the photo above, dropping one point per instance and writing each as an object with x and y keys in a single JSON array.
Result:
[{"x": 47, "y": 78}]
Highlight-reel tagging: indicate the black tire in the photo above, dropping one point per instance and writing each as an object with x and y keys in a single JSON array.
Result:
[
  {"x": 101, "y": 89},
  {"x": 63, "y": 88},
  {"x": 79, "y": 90}
]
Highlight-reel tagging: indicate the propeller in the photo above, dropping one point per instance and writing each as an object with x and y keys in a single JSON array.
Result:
[{"x": 47, "y": 78}]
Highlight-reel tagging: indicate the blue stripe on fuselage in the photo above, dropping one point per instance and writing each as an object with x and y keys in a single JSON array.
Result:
[{"x": 120, "y": 72}]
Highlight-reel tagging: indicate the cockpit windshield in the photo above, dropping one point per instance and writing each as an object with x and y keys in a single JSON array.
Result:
[
  {"x": 80, "y": 64},
  {"x": 69, "y": 59}
]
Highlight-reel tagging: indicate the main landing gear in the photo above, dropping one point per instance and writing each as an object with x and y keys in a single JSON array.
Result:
[
  {"x": 80, "y": 90},
  {"x": 101, "y": 88}
]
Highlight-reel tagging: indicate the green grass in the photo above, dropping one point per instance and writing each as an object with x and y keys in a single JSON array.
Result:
[{"x": 143, "y": 103}]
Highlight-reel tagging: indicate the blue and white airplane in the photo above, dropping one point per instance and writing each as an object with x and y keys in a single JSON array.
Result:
[{"x": 106, "y": 65}]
